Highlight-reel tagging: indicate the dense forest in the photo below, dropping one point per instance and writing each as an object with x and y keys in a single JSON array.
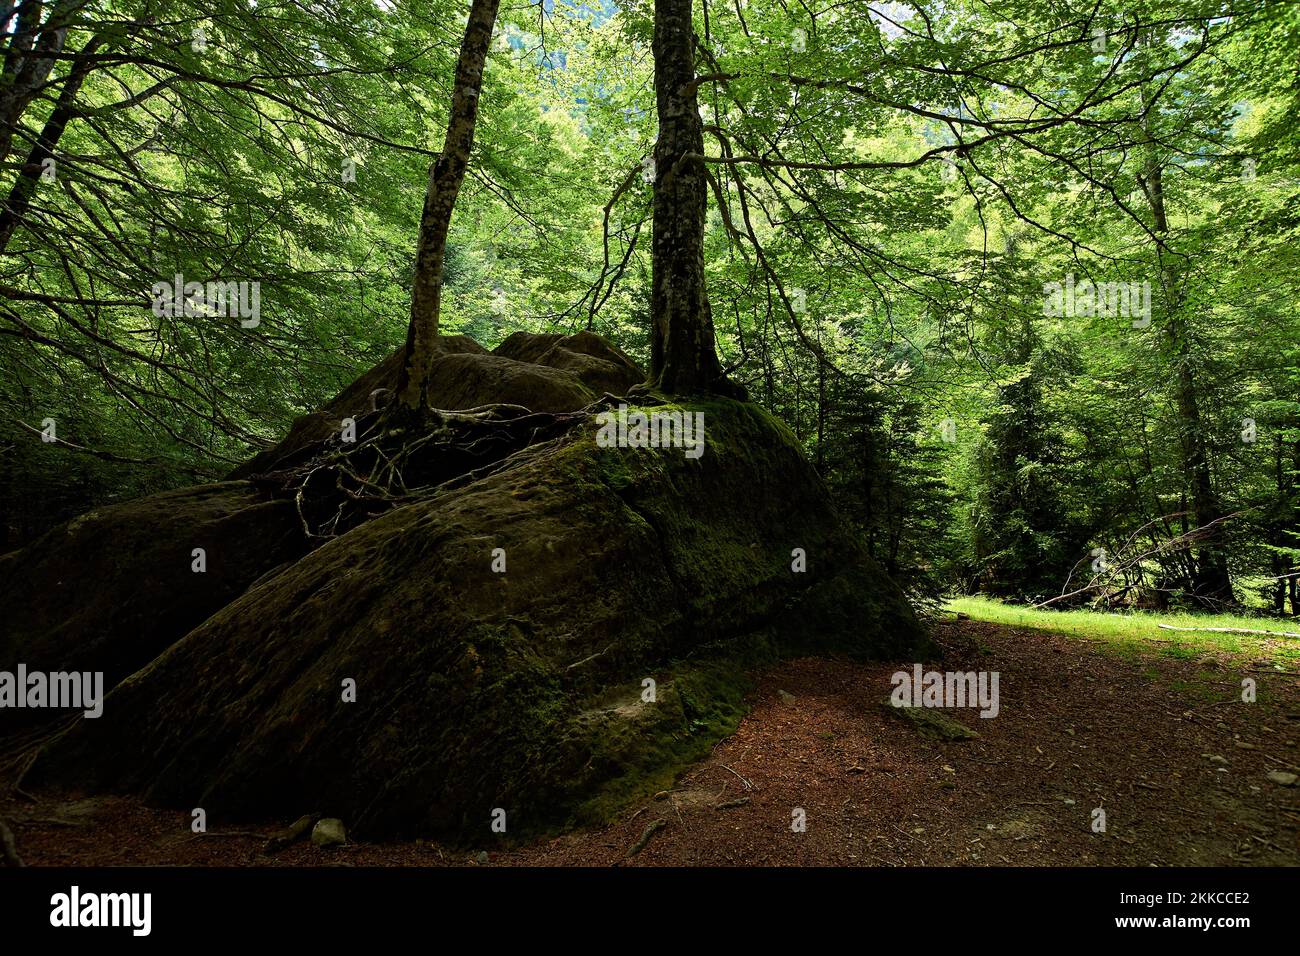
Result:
[
  {"x": 469, "y": 421},
  {"x": 893, "y": 192}
]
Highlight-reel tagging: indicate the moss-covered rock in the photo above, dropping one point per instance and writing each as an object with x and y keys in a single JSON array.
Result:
[
  {"x": 520, "y": 690},
  {"x": 113, "y": 588}
]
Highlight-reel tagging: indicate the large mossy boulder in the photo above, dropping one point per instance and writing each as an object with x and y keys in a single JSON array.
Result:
[
  {"x": 498, "y": 638},
  {"x": 112, "y": 589}
]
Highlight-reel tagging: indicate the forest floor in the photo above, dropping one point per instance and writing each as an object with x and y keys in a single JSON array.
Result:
[{"x": 1154, "y": 733}]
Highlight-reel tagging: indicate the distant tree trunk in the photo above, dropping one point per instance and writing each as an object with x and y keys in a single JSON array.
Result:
[
  {"x": 683, "y": 352},
  {"x": 869, "y": 496},
  {"x": 1211, "y": 582},
  {"x": 446, "y": 174},
  {"x": 1284, "y": 526},
  {"x": 1276, "y": 531},
  {"x": 821, "y": 417}
]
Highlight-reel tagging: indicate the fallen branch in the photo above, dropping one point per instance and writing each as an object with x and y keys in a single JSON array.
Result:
[
  {"x": 1107, "y": 574},
  {"x": 1230, "y": 630},
  {"x": 586, "y": 659}
]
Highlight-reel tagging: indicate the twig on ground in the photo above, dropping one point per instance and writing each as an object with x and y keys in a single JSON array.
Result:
[
  {"x": 748, "y": 785},
  {"x": 586, "y": 659}
]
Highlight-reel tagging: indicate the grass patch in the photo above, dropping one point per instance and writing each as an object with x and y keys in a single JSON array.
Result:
[{"x": 1139, "y": 631}]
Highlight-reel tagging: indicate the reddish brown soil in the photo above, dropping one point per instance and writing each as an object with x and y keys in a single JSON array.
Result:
[{"x": 1081, "y": 727}]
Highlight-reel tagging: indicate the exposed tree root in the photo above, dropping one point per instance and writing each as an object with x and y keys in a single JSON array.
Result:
[
  {"x": 399, "y": 457},
  {"x": 291, "y": 834},
  {"x": 19, "y": 751},
  {"x": 646, "y": 834},
  {"x": 7, "y": 847},
  {"x": 732, "y": 804}
]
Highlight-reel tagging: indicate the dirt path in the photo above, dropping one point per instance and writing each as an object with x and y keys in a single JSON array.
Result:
[{"x": 1164, "y": 745}]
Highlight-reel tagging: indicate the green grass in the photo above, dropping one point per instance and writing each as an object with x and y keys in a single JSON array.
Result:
[{"x": 1138, "y": 631}]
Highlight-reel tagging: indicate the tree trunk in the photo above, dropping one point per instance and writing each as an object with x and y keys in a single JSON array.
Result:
[
  {"x": 446, "y": 174},
  {"x": 821, "y": 417},
  {"x": 1211, "y": 582},
  {"x": 29, "y": 176},
  {"x": 28, "y": 61},
  {"x": 1294, "y": 509},
  {"x": 683, "y": 354},
  {"x": 1277, "y": 531}
]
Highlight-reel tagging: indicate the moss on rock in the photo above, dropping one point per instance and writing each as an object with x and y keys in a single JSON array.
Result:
[
  {"x": 520, "y": 690},
  {"x": 111, "y": 589}
]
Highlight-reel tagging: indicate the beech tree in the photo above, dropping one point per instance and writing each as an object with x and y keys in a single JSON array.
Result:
[
  {"x": 446, "y": 175},
  {"x": 853, "y": 209},
  {"x": 683, "y": 356}
]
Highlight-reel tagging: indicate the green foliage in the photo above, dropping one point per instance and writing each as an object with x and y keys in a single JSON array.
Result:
[
  {"x": 891, "y": 190},
  {"x": 1139, "y": 631}
]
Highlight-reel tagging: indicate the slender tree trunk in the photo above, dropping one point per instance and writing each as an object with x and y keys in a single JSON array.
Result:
[
  {"x": 821, "y": 417},
  {"x": 29, "y": 176},
  {"x": 769, "y": 371},
  {"x": 1277, "y": 531},
  {"x": 446, "y": 174},
  {"x": 28, "y": 61},
  {"x": 1292, "y": 534},
  {"x": 868, "y": 492},
  {"x": 683, "y": 352},
  {"x": 1211, "y": 582}
]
